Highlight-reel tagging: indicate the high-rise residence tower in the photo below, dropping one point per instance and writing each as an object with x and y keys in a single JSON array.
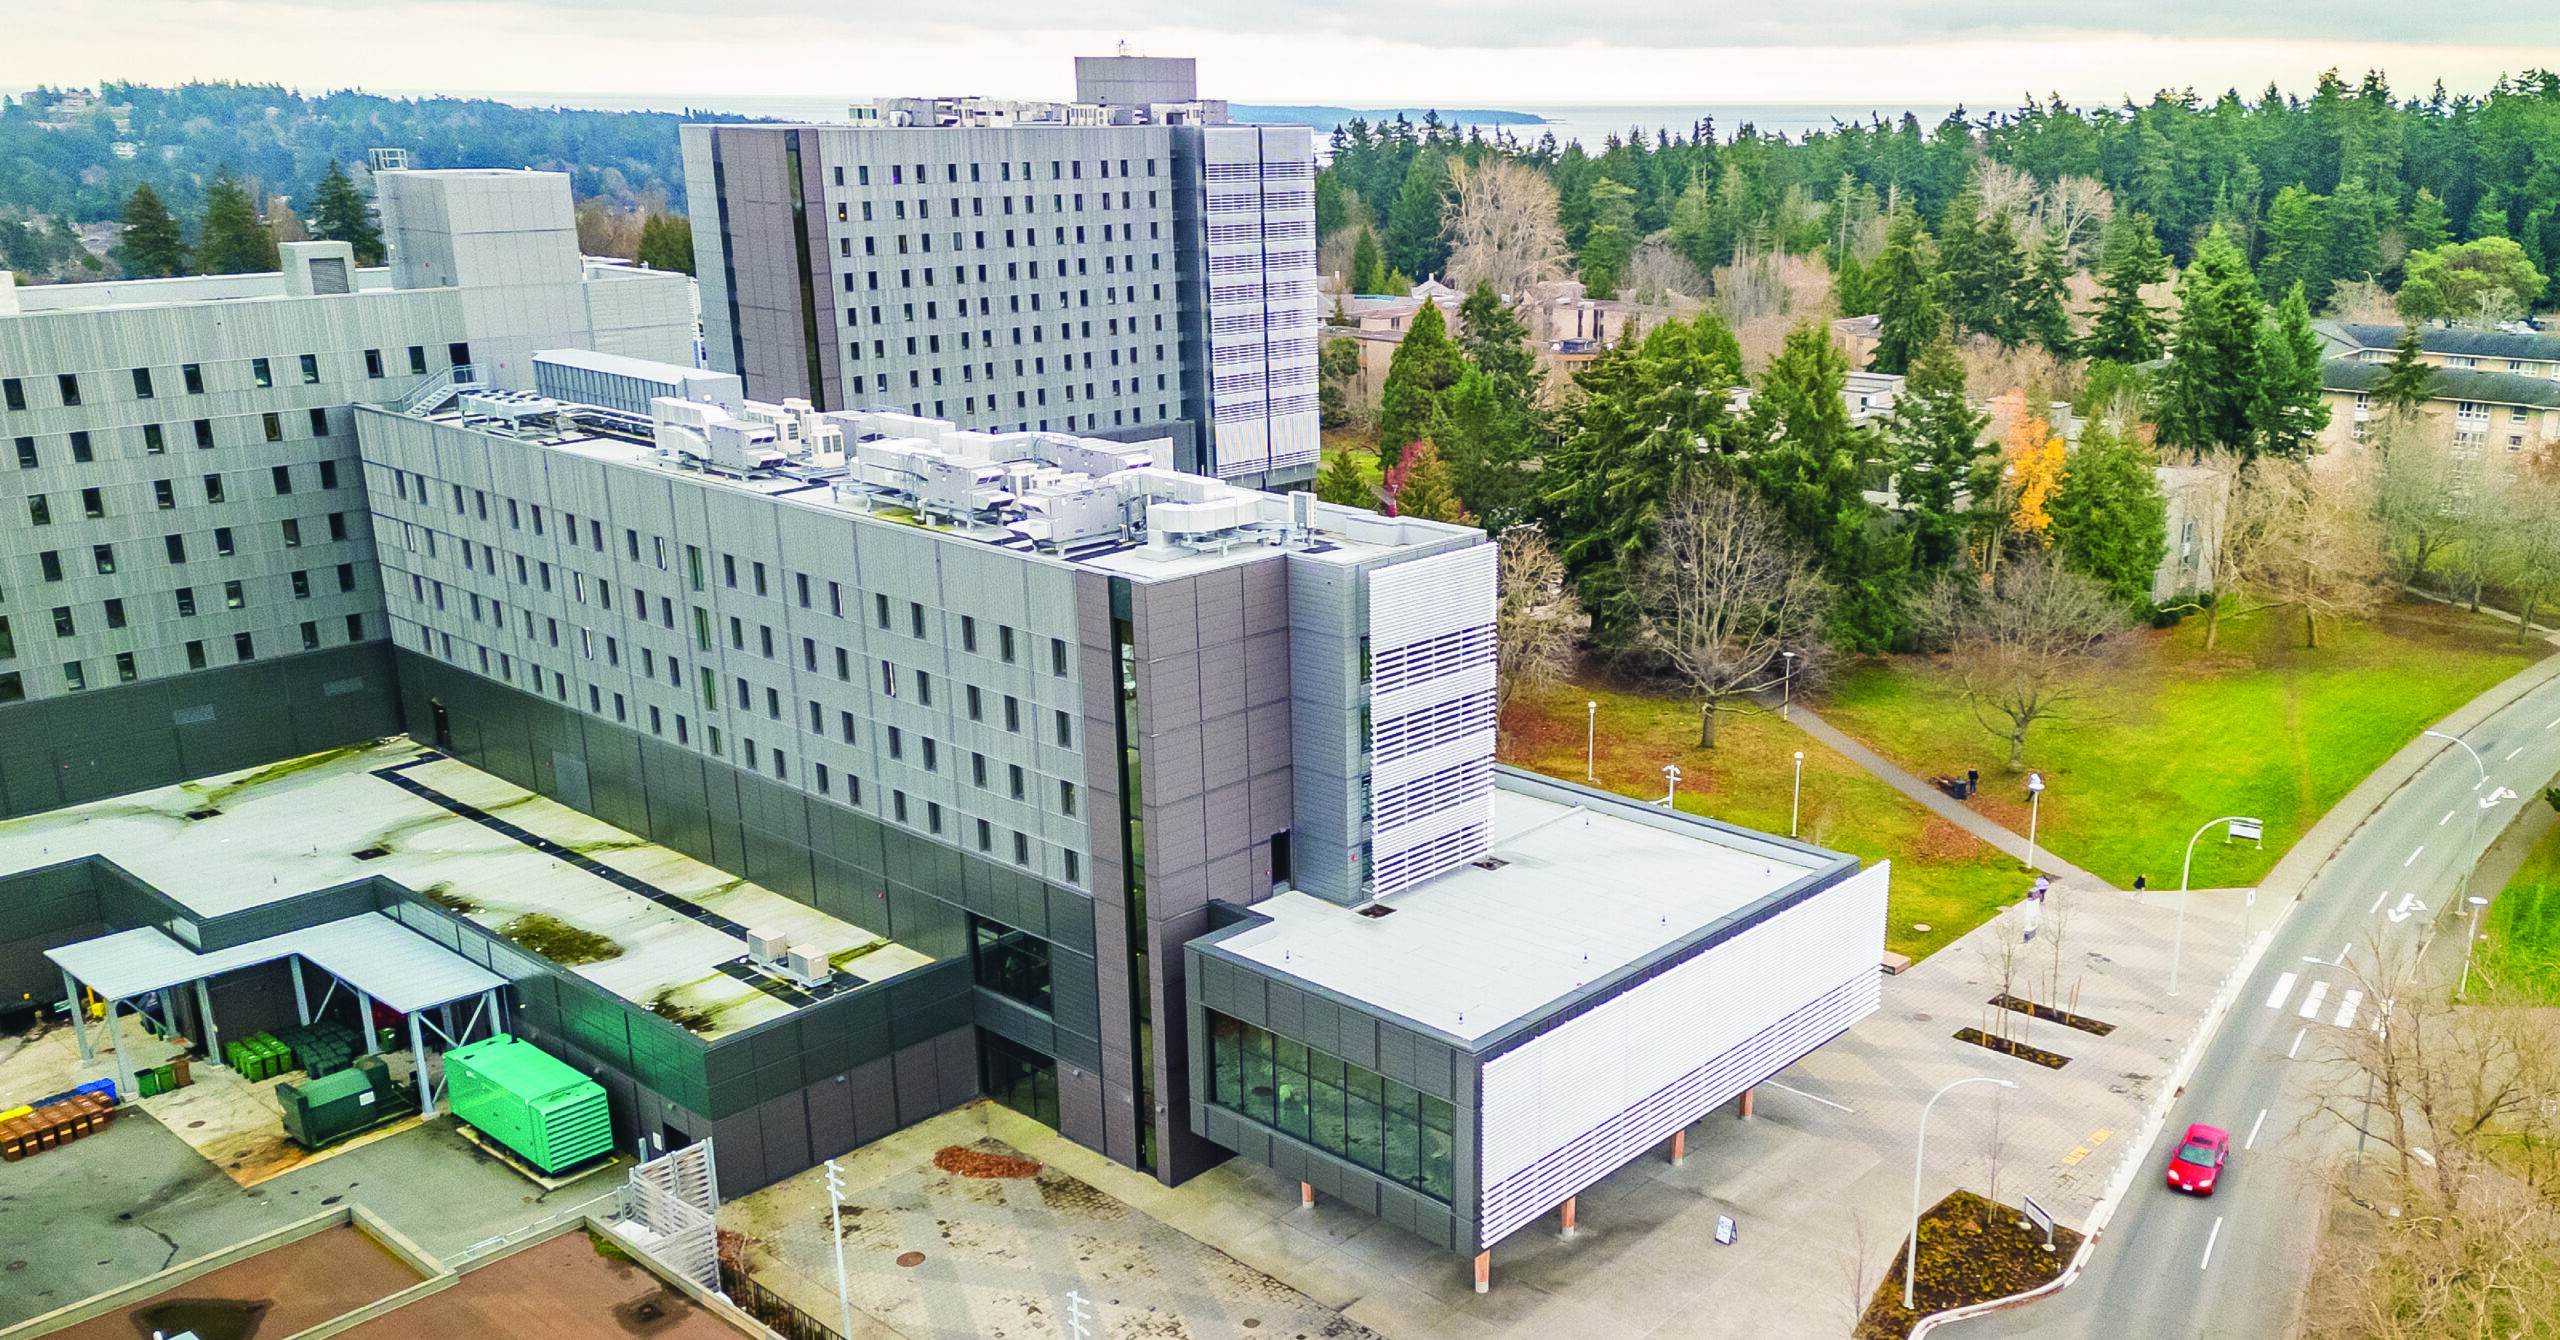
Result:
[{"x": 1128, "y": 266}]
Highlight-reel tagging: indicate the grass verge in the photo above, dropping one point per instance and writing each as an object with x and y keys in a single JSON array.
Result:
[
  {"x": 2523, "y": 925},
  {"x": 1943, "y": 877},
  {"x": 2179, "y": 735}
]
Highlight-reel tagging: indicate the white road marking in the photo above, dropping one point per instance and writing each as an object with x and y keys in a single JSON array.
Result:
[
  {"x": 1802, "y": 1094},
  {"x": 2311, "y": 999},
  {"x": 2252, "y": 1141},
  {"x": 2207, "y": 1262},
  {"x": 2448, "y": 818},
  {"x": 2297, "y": 1044},
  {"x": 2408, "y": 907},
  {"x": 2413, "y": 857},
  {"x": 2555, "y": 721},
  {"x": 2342, "y": 955},
  {"x": 2377, "y": 902},
  {"x": 2284, "y": 988},
  {"x": 2347, "y": 1009},
  {"x": 2511, "y": 754}
]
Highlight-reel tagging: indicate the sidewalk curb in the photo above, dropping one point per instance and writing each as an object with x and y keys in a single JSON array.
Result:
[{"x": 2401, "y": 768}]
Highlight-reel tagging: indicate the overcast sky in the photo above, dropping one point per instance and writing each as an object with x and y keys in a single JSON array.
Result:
[{"x": 1480, "y": 53}]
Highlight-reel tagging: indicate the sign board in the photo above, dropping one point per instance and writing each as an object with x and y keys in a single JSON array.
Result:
[
  {"x": 2249, "y": 830},
  {"x": 2042, "y": 1219},
  {"x": 1725, "y": 1234},
  {"x": 2035, "y": 782}
]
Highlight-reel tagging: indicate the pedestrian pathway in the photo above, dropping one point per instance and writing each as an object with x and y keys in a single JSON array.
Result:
[{"x": 1940, "y": 803}]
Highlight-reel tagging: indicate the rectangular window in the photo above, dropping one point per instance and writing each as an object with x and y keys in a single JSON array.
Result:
[
  {"x": 222, "y": 545},
  {"x": 80, "y": 449},
  {"x": 153, "y": 442},
  {"x": 282, "y": 477},
  {"x": 1009, "y": 962},
  {"x": 142, "y": 383},
  {"x": 1004, "y": 643},
  {"x": 881, "y": 602},
  {"x": 968, "y": 633},
  {"x": 13, "y": 393},
  {"x": 204, "y": 434},
  {"x": 311, "y": 369},
  {"x": 319, "y": 422},
  {"x": 260, "y": 374},
  {"x": 273, "y": 424},
  {"x": 292, "y": 533},
  {"x": 93, "y": 503},
  {"x": 244, "y": 647},
  {"x": 373, "y": 363},
  {"x": 1058, "y": 657},
  {"x": 1066, "y": 731},
  {"x": 977, "y": 706}
]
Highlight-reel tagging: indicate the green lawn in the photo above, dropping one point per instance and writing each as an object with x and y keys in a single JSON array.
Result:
[
  {"x": 1943, "y": 877},
  {"x": 2260, "y": 726},
  {"x": 2524, "y": 925}
]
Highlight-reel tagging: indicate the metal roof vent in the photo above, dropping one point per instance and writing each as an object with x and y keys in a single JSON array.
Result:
[
  {"x": 1376, "y": 910},
  {"x": 1489, "y": 863}
]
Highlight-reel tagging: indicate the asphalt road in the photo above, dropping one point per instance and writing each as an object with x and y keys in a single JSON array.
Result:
[{"x": 2173, "y": 1267}]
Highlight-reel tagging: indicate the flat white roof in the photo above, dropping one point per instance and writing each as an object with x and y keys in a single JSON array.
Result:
[
  {"x": 395, "y": 965},
  {"x": 299, "y": 824},
  {"x": 1581, "y": 893}
]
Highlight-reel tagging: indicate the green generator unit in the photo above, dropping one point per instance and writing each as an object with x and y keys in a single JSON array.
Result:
[
  {"x": 321, "y": 1112},
  {"x": 528, "y": 1100}
]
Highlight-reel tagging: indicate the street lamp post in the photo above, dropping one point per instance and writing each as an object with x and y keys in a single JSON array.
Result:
[
  {"x": 1590, "y": 737},
  {"x": 835, "y": 1223},
  {"x": 2035, "y": 808},
  {"x": 2487, "y": 803},
  {"x": 1670, "y": 786},
  {"x": 1787, "y": 706},
  {"x": 1795, "y": 807},
  {"x": 1919, "y": 1154},
  {"x": 2477, "y": 902},
  {"x": 2474, "y": 753},
  {"x": 2241, "y": 826}
]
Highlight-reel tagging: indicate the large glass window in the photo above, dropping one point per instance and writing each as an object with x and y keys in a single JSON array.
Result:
[
  {"x": 1010, "y": 963},
  {"x": 1334, "y": 1105},
  {"x": 1018, "y": 1077}
]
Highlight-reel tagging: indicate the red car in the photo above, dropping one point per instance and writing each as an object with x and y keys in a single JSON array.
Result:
[{"x": 2198, "y": 1162}]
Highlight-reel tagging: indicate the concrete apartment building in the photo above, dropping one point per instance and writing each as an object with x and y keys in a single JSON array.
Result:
[
  {"x": 2494, "y": 398},
  {"x": 186, "y": 563},
  {"x": 1127, "y": 266}
]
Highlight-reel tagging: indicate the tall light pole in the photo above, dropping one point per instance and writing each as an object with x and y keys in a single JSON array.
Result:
[
  {"x": 835, "y": 1220},
  {"x": 2035, "y": 808},
  {"x": 1590, "y": 738},
  {"x": 2474, "y": 753},
  {"x": 1787, "y": 707},
  {"x": 2477, "y": 902},
  {"x": 1670, "y": 786},
  {"x": 1919, "y": 1154},
  {"x": 2487, "y": 803},
  {"x": 1795, "y": 807},
  {"x": 2241, "y": 826}
]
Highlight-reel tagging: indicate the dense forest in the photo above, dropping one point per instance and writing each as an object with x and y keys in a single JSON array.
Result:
[
  {"x": 2368, "y": 175},
  {"x": 180, "y": 138}
]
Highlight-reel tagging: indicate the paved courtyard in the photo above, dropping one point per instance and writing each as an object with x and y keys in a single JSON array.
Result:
[{"x": 1818, "y": 1183}]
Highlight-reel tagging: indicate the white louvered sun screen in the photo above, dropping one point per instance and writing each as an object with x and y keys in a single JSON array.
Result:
[{"x": 1431, "y": 725}]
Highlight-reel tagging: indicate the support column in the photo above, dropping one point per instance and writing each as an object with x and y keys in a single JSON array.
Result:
[
  {"x": 418, "y": 1049},
  {"x": 1484, "y": 1271},
  {"x": 125, "y": 1090},
  {"x": 1569, "y": 1203},
  {"x": 364, "y": 1009},
  {"x": 212, "y": 1031},
  {"x": 79, "y": 1015},
  {"x": 301, "y": 994},
  {"x": 1307, "y": 1195},
  {"x": 496, "y": 1026},
  {"x": 1679, "y": 1147},
  {"x": 1742, "y": 1106}
]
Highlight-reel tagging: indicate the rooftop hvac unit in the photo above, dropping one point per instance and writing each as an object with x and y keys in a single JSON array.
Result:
[
  {"x": 809, "y": 964},
  {"x": 767, "y": 945},
  {"x": 530, "y": 1101}
]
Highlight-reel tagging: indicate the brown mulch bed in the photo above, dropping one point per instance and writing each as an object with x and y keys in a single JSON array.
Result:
[
  {"x": 1972, "y": 1250},
  {"x": 962, "y": 1161},
  {"x": 2013, "y": 1047},
  {"x": 2053, "y": 1016}
]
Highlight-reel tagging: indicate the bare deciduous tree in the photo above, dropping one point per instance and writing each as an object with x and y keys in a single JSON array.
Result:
[
  {"x": 1536, "y": 616},
  {"x": 1858, "y": 1267},
  {"x": 1661, "y": 277},
  {"x": 2003, "y": 189},
  {"x": 1721, "y": 597},
  {"x": 1501, "y": 222},
  {"x": 2078, "y": 208},
  {"x": 2310, "y": 539},
  {"x": 2029, "y": 648}
]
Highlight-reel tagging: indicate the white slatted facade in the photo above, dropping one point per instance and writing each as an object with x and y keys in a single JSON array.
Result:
[
  {"x": 1563, "y": 1110},
  {"x": 1431, "y": 728},
  {"x": 1260, "y": 221}
]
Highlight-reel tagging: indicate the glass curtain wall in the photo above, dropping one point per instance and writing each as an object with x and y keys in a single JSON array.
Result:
[{"x": 1336, "y": 1106}]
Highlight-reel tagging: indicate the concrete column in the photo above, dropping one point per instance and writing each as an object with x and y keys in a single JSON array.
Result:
[
  {"x": 1568, "y": 1214},
  {"x": 1484, "y": 1271},
  {"x": 1742, "y": 1105},
  {"x": 301, "y": 993},
  {"x": 1679, "y": 1147},
  {"x": 418, "y": 1049},
  {"x": 496, "y": 1025},
  {"x": 1307, "y": 1194},
  {"x": 364, "y": 1009},
  {"x": 79, "y": 1015},
  {"x": 125, "y": 1090},
  {"x": 212, "y": 1031}
]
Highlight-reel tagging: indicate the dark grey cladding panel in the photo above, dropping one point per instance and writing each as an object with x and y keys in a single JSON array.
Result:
[
  {"x": 1070, "y": 919},
  {"x": 1288, "y": 1016},
  {"x": 919, "y": 1082},
  {"x": 1012, "y": 1019},
  {"x": 1074, "y": 990},
  {"x": 1079, "y": 1049}
]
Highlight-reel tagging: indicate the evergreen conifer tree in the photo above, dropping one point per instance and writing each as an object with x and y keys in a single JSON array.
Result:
[
  {"x": 152, "y": 247},
  {"x": 2045, "y": 316},
  {"x": 1904, "y": 289},
  {"x": 1344, "y": 482},
  {"x": 1368, "y": 266},
  {"x": 1936, "y": 443},
  {"x": 2408, "y": 383},
  {"x": 1415, "y": 243},
  {"x": 2110, "y": 520},
  {"x": 1426, "y": 363},
  {"x": 231, "y": 241},
  {"x": 2210, "y": 392},
  {"x": 666, "y": 243},
  {"x": 339, "y": 208},
  {"x": 2127, "y": 329},
  {"x": 2289, "y": 408}
]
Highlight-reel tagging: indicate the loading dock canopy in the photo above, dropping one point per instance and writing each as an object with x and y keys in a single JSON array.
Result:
[{"x": 396, "y": 966}]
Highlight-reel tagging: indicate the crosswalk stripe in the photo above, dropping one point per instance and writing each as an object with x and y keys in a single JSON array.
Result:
[
  {"x": 2347, "y": 1009},
  {"x": 2284, "y": 988},
  {"x": 2311, "y": 999}
]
